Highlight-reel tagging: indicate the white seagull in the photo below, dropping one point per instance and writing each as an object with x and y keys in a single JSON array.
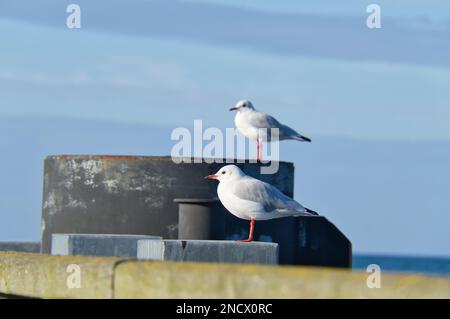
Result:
[
  {"x": 251, "y": 199},
  {"x": 256, "y": 125}
]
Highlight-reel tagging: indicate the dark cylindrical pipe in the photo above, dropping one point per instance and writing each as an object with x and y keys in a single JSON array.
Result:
[{"x": 200, "y": 218}]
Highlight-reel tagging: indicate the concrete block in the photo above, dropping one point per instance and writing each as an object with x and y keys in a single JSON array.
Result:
[
  {"x": 97, "y": 244},
  {"x": 20, "y": 246},
  {"x": 208, "y": 251},
  {"x": 45, "y": 276},
  {"x": 303, "y": 240}
]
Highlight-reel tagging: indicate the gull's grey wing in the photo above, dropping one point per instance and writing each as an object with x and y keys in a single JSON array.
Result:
[
  {"x": 268, "y": 196},
  {"x": 263, "y": 120}
]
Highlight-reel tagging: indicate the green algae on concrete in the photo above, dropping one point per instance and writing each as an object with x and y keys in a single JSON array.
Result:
[
  {"x": 44, "y": 276},
  {"x": 195, "y": 280}
]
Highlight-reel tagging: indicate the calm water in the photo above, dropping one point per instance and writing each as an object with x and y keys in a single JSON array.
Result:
[{"x": 423, "y": 265}]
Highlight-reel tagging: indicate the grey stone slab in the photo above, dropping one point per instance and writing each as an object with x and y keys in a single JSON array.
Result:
[
  {"x": 209, "y": 251},
  {"x": 97, "y": 244},
  {"x": 21, "y": 246}
]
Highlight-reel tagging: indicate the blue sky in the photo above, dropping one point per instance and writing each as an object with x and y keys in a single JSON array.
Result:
[
  {"x": 313, "y": 64},
  {"x": 333, "y": 92}
]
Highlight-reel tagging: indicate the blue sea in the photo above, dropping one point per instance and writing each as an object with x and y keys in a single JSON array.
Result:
[{"x": 438, "y": 266}]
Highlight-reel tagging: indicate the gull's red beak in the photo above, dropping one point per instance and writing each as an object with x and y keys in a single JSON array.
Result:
[{"x": 212, "y": 176}]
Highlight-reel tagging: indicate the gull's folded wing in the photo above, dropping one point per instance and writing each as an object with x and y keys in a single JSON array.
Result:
[
  {"x": 268, "y": 196},
  {"x": 262, "y": 120}
]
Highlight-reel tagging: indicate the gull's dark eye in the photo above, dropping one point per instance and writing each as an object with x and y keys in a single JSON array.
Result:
[
  {"x": 244, "y": 105},
  {"x": 223, "y": 172}
]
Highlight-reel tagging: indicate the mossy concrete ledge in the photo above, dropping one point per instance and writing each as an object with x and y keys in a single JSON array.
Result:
[
  {"x": 45, "y": 276},
  {"x": 189, "y": 280}
]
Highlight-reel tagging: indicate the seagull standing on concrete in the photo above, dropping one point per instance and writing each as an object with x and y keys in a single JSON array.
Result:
[
  {"x": 251, "y": 199},
  {"x": 256, "y": 125}
]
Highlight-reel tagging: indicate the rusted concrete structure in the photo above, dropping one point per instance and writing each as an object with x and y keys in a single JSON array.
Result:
[
  {"x": 129, "y": 194},
  {"x": 135, "y": 195}
]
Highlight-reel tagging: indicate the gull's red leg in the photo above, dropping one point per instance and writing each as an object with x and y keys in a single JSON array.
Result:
[
  {"x": 258, "y": 155},
  {"x": 260, "y": 151},
  {"x": 250, "y": 234}
]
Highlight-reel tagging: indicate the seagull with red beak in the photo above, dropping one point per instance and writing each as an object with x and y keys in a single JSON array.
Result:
[
  {"x": 251, "y": 199},
  {"x": 262, "y": 127}
]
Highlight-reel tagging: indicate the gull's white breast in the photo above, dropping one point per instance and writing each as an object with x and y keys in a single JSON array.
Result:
[
  {"x": 244, "y": 126},
  {"x": 240, "y": 208}
]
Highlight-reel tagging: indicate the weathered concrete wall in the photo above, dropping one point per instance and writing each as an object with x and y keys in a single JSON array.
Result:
[
  {"x": 129, "y": 194},
  {"x": 45, "y": 276},
  {"x": 175, "y": 280}
]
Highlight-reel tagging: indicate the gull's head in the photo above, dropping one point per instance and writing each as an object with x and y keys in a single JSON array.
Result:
[
  {"x": 242, "y": 105},
  {"x": 228, "y": 172}
]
